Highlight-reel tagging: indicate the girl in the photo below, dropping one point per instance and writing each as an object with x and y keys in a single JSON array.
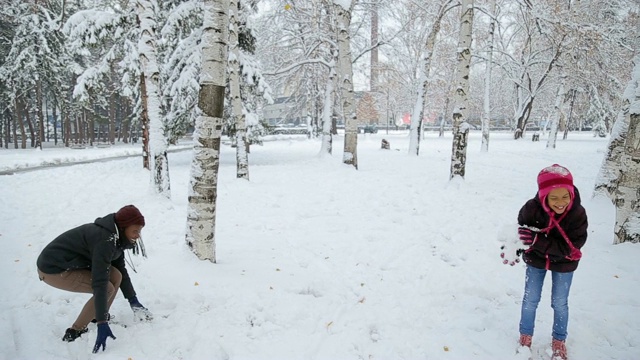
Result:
[{"x": 554, "y": 226}]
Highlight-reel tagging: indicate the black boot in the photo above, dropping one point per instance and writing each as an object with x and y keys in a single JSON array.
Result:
[{"x": 72, "y": 334}]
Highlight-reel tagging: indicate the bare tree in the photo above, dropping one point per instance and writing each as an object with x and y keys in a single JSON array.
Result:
[
  {"x": 149, "y": 65},
  {"x": 242, "y": 157},
  {"x": 328, "y": 110},
  {"x": 345, "y": 74},
  {"x": 528, "y": 56},
  {"x": 460, "y": 112},
  {"x": 558, "y": 115},
  {"x": 619, "y": 176},
  {"x": 144, "y": 121},
  {"x": 627, "y": 226},
  {"x": 303, "y": 55},
  {"x": 610, "y": 171},
  {"x": 418, "y": 109},
  {"x": 201, "y": 216},
  {"x": 486, "y": 108}
]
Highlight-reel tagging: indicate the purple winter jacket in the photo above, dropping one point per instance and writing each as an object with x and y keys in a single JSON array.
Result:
[{"x": 550, "y": 249}]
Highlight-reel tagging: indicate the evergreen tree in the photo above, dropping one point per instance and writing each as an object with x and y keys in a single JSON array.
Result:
[
  {"x": 180, "y": 54},
  {"x": 32, "y": 64},
  {"x": 102, "y": 42}
]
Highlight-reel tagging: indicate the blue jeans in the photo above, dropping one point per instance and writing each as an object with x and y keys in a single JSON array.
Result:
[{"x": 561, "y": 283}]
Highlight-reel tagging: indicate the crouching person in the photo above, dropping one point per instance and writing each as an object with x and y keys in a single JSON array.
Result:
[{"x": 90, "y": 259}]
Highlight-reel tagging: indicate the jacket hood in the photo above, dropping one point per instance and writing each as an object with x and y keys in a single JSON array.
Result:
[{"x": 108, "y": 222}]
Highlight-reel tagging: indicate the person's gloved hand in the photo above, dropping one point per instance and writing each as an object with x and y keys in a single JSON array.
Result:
[
  {"x": 576, "y": 254},
  {"x": 104, "y": 331},
  {"x": 510, "y": 257},
  {"x": 526, "y": 235},
  {"x": 140, "y": 312}
]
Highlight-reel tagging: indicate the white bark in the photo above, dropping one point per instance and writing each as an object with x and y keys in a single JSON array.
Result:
[
  {"x": 327, "y": 111},
  {"x": 417, "y": 114},
  {"x": 486, "y": 111},
  {"x": 345, "y": 73},
  {"x": 149, "y": 64},
  {"x": 418, "y": 109},
  {"x": 242, "y": 157},
  {"x": 627, "y": 228},
  {"x": 620, "y": 173},
  {"x": 619, "y": 176},
  {"x": 460, "y": 111},
  {"x": 610, "y": 171},
  {"x": 201, "y": 215},
  {"x": 557, "y": 114}
]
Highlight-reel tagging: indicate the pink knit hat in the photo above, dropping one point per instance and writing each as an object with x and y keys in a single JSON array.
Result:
[{"x": 553, "y": 177}]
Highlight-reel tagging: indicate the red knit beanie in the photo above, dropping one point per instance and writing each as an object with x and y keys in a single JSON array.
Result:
[
  {"x": 129, "y": 215},
  {"x": 553, "y": 177}
]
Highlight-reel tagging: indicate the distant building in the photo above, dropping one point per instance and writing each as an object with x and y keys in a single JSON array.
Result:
[{"x": 284, "y": 110}]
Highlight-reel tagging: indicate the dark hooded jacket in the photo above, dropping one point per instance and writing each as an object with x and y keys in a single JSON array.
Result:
[
  {"x": 550, "y": 249},
  {"x": 95, "y": 247}
]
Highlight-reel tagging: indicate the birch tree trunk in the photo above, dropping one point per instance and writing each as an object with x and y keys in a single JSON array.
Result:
[
  {"x": 627, "y": 228},
  {"x": 201, "y": 215},
  {"x": 610, "y": 171},
  {"x": 557, "y": 114},
  {"x": 417, "y": 114},
  {"x": 460, "y": 111},
  {"x": 65, "y": 110},
  {"x": 619, "y": 175},
  {"x": 418, "y": 109},
  {"x": 486, "y": 111},
  {"x": 148, "y": 61},
  {"x": 242, "y": 158},
  {"x": 345, "y": 73},
  {"x": 327, "y": 111}
]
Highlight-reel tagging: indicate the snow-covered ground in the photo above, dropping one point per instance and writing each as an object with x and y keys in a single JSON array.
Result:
[
  {"x": 53, "y": 155},
  {"x": 317, "y": 260}
]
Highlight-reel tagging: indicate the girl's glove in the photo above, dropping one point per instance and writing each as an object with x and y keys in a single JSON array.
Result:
[
  {"x": 512, "y": 246},
  {"x": 511, "y": 254},
  {"x": 527, "y": 236},
  {"x": 103, "y": 333},
  {"x": 140, "y": 312}
]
